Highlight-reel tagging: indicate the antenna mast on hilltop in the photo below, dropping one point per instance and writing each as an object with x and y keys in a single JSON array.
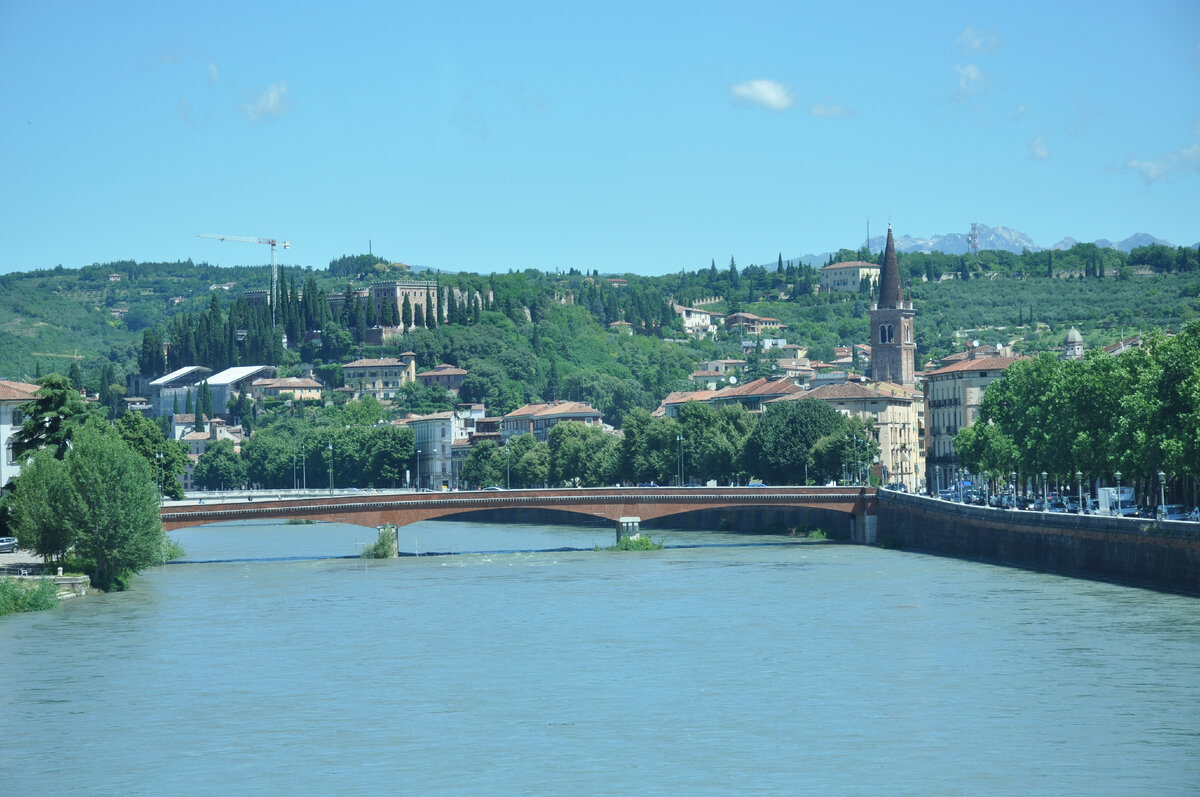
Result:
[
  {"x": 274, "y": 266},
  {"x": 973, "y": 240}
]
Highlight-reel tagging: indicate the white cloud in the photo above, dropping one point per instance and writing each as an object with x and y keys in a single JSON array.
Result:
[
  {"x": 272, "y": 103},
  {"x": 1038, "y": 147},
  {"x": 213, "y": 74},
  {"x": 970, "y": 80},
  {"x": 767, "y": 93},
  {"x": 1020, "y": 112},
  {"x": 185, "y": 112},
  {"x": 828, "y": 109},
  {"x": 1155, "y": 170},
  {"x": 977, "y": 41}
]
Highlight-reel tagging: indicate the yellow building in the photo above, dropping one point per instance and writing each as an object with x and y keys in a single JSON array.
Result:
[
  {"x": 952, "y": 397},
  {"x": 381, "y": 378},
  {"x": 848, "y": 276}
]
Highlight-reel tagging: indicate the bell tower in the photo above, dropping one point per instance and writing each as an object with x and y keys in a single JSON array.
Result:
[{"x": 893, "y": 338}]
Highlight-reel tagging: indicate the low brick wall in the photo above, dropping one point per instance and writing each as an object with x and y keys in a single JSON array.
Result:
[{"x": 1147, "y": 553}]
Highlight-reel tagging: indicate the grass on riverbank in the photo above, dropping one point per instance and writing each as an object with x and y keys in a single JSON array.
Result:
[{"x": 27, "y": 595}]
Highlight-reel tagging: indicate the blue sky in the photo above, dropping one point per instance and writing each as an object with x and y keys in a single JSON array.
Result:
[{"x": 642, "y": 137}]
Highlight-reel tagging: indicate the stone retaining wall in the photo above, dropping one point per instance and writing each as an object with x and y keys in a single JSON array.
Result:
[{"x": 1147, "y": 553}]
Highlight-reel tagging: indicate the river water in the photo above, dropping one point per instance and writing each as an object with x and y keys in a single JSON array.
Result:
[{"x": 738, "y": 667}]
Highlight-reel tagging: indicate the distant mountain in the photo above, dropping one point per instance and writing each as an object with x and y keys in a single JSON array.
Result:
[
  {"x": 1132, "y": 242},
  {"x": 1002, "y": 238}
]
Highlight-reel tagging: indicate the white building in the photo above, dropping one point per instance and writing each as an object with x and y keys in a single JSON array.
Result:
[
  {"x": 12, "y": 396},
  {"x": 435, "y": 437}
]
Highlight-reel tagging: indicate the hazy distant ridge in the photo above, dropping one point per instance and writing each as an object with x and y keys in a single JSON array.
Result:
[{"x": 1003, "y": 238}]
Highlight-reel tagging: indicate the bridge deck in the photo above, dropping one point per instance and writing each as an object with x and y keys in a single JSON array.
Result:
[{"x": 611, "y": 503}]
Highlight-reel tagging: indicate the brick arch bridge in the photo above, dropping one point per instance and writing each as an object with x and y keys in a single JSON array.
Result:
[{"x": 611, "y": 503}]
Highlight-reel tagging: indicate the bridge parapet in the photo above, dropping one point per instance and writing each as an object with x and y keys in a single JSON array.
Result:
[{"x": 609, "y": 503}]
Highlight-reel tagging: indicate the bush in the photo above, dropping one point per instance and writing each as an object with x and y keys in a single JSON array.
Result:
[
  {"x": 384, "y": 547},
  {"x": 27, "y": 595},
  {"x": 637, "y": 542}
]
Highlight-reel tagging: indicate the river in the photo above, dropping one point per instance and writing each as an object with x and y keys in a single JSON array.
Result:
[{"x": 730, "y": 668}]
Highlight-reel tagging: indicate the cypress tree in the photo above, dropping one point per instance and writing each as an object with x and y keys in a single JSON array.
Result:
[{"x": 406, "y": 314}]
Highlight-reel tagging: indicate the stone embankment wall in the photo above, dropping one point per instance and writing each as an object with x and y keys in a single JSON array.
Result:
[{"x": 1146, "y": 553}]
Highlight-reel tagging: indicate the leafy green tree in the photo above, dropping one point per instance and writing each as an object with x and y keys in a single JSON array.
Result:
[
  {"x": 38, "y": 507},
  {"x": 167, "y": 458},
  {"x": 220, "y": 468},
  {"x": 581, "y": 455},
  {"x": 113, "y": 507},
  {"x": 782, "y": 441},
  {"x": 484, "y": 466},
  {"x": 52, "y": 418},
  {"x": 75, "y": 375},
  {"x": 151, "y": 361},
  {"x": 648, "y": 448},
  {"x": 713, "y": 439}
]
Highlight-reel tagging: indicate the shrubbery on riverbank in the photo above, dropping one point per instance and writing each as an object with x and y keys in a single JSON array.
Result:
[{"x": 27, "y": 595}]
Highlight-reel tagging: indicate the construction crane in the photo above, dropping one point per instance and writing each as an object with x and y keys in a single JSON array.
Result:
[{"x": 274, "y": 266}]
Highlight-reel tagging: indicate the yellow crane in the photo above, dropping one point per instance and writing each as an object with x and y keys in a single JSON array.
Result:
[{"x": 274, "y": 267}]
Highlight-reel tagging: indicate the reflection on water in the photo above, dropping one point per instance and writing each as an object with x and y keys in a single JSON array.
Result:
[{"x": 779, "y": 669}]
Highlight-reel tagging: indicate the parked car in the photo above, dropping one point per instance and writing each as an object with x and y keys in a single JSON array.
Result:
[
  {"x": 1174, "y": 512},
  {"x": 897, "y": 486},
  {"x": 8, "y": 544},
  {"x": 1058, "y": 505}
]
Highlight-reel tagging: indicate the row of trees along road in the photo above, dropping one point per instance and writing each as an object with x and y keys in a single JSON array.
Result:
[
  {"x": 791, "y": 440},
  {"x": 1137, "y": 413}
]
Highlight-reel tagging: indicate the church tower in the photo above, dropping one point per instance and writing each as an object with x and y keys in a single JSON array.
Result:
[{"x": 893, "y": 341}]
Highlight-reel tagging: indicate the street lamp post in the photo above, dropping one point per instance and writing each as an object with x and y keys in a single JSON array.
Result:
[
  {"x": 507, "y": 468},
  {"x": 418, "y": 470},
  {"x": 1013, "y": 484},
  {"x": 1079, "y": 491},
  {"x": 331, "y": 468},
  {"x": 679, "y": 439},
  {"x": 937, "y": 480},
  {"x": 1162, "y": 493},
  {"x": 1117, "y": 476},
  {"x": 304, "y": 467},
  {"x": 161, "y": 475},
  {"x": 1045, "y": 492}
]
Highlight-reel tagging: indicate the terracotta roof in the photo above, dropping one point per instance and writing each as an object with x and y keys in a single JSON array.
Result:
[
  {"x": 441, "y": 370},
  {"x": 868, "y": 391},
  {"x": 553, "y": 410},
  {"x": 386, "y": 362},
  {"x": 981, "y": 364},
  {"x": 290, "y": 381},
  {"x": 17, "y": 391},
  {"x": 759, "y": 387}
]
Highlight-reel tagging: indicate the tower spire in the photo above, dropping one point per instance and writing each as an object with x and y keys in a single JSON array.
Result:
[{"x": 889, "y": 278}]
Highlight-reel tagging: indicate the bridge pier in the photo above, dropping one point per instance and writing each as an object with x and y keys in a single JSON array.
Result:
[
  {"x": 862, "y": 528},
  {"x": 628, "y": 527}
]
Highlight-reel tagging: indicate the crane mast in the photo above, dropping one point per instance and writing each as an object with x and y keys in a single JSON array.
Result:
[{"x": 274, "y": 266}]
